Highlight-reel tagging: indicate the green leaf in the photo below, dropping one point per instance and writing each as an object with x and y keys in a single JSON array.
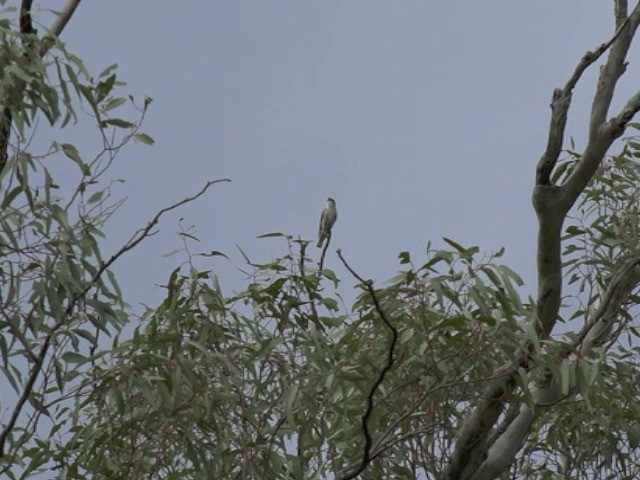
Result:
[
  {"x": 117, "y": 122},
  {"x": 73, "y": 357},
  {"x": 406, "y": 335},
  {"x": 455, "y": 245},
  {"x": 10, "y": 197},
  {"x": 18, "y": 73},
  {"x": 273, "y": 234},
  {"x": 144, "y": 138},
  {"x": 333, "y": 321},
  {"x": 105, "y": 87},
  {"x": 330, "y": 303},
  {"x": 214, "y": 253},
  {"x": 72, "y": 152},
  {"x": 565, "y": 379},
  {"x": 108, "y": 70},
  {"x": 511, "y": 274},
  {"x": 114, "y": 103},
  {"x": 289, "y": 400},
  {"x": 87, "y": 93},
  {"x": 189, "y": 236}
]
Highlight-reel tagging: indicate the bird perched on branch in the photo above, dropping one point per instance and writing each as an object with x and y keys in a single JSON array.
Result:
[{"x": 327, "y": 219}]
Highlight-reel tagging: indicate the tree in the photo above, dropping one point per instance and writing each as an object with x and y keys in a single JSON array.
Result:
[
  {"x": 58, "y": 296},
  {"x": 443, "y": 372}
]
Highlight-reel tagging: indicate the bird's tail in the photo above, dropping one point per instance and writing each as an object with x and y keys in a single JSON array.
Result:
[{"x": 320, "y": 242}]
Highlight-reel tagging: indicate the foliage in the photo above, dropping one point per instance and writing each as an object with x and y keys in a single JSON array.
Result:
[
  {"x": 257, "y": 385},
  {"x": 58, "y": 296},
  {"x": 274, "y": 381}
]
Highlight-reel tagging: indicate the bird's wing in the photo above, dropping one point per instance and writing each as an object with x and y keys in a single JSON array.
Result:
[{"x": 322, "y": 216}]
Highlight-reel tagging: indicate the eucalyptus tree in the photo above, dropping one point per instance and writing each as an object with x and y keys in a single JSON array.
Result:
[
  {"x": 59, "y": 300},
  {"x": 445, "y": 371}
]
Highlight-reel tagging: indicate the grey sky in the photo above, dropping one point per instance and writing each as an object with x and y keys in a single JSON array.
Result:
[{"x": 423, "y": 119}]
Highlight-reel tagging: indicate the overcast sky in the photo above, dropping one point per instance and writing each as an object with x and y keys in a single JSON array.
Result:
[{"x": 423, "y": 119}]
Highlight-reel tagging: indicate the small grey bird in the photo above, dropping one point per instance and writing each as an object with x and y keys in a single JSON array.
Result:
[{"x": 327, "y": 219}]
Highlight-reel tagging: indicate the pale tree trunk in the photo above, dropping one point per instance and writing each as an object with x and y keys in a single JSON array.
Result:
[{"x": 495, "y": 430}]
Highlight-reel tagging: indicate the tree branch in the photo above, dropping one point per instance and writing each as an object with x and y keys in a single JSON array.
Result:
[
  {"x": 473, "y": 433},
  {"x": 597, "y": 329},
  {"x": 594, "y": 334},
  {"x": 560, "y": 103},
  {"x": 613, "y": 68},
  {"x": 314, "y": 310},
  {"x": 620, "y": 11},
  {"x": 378, "y": 450},
  {"x": 350, "y": 473},
  {"x": 137, "y": 237},
  {"x": 506, "y": 446},
  {"x": 474, "y": 445},
  {"x": 619, "y": 123},
  {"x": 58, "y": 26},
  {"x": 26, "y": 27}
]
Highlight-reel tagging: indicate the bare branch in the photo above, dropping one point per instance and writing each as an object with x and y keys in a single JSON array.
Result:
[
  {"x": 560, "y": 103},
  {"x": 506, "y": 446},
  {"x": 475, "y": 430},
  {"x": 613, "y": 68},
  {"x": 366, "y": 454},
  {"x": 552, "y": 203},
  {"x": 620, "y": 9},
  {"x": 137, "y": 237},
  {"x": 619, "y": 123},
  {"x": 58, "y": 26},
  {"x": 596, "y": 331},
  {"x": 314, "y": 310}
]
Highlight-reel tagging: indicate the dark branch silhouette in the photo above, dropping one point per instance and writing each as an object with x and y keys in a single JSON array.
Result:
[{"x": 366, "y": 454}]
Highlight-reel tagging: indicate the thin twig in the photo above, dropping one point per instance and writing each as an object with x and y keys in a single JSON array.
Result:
[
  {"x": 366, "y": 454},
  {"x": 137, "y": 237},
  {"x": 277, "y": 426},
  {"x": 314, "y": 310}
]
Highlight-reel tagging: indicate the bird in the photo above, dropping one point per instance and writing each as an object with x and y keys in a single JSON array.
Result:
[{"x": 327, "y": 219}]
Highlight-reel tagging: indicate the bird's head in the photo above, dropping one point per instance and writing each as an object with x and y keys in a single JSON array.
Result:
[{"x": 331, "y": 200}]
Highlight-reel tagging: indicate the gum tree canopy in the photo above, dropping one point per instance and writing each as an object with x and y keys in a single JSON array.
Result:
[{"x": 443, "y": 372}]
